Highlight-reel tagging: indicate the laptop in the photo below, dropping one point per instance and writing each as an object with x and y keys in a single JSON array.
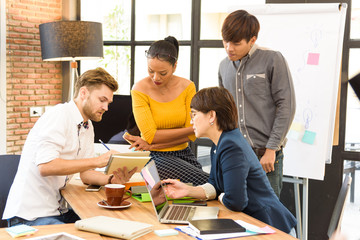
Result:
[{"x": 170, "y": 213}]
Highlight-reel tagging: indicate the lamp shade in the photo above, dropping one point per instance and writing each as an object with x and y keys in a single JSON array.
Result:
[{"x": 71, "y": 40}]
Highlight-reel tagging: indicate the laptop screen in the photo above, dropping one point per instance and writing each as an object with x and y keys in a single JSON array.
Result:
[{"x": 153, "y": 184}]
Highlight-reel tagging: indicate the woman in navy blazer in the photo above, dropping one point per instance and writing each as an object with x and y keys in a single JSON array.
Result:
[{"x": 236, "y": 177}]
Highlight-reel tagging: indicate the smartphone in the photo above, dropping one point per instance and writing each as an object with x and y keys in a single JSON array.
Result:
[
  {"x": 93, "y": 188},
  {"x": 125, "y": 134}
]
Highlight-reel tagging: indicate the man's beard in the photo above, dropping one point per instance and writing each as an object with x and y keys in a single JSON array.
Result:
[{"x": 93, "y": 116}]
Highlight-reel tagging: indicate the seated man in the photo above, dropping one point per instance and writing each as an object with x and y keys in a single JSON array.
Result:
[{"x": 60, "y": 144}]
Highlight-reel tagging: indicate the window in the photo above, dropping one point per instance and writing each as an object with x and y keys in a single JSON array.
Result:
[
  {"x": 355, "y": 20},
  {"x": 115, "y": 18},
  {"x": 213, "y": 13},
  {"x": 352, "y": 132},
  {"x": 154, "y": 20},
  {"x": 157, "y": 19}
]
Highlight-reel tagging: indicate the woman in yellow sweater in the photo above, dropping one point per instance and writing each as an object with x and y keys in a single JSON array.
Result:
[{"x": 161, "y": 106}]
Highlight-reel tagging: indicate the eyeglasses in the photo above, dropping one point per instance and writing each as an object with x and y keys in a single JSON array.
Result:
[{"x": 160, "y": 56}]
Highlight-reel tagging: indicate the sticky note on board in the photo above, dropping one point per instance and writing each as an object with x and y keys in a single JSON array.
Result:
[
  {"x": 295, "y": 135},
  {"x": 309, "y": 137},
  {"x": 295, "y": 126},
  {"x": 313, "y": 58}
]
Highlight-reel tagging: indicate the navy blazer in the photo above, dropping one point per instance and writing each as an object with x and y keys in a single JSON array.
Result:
[{"x": 237, "y": 172}]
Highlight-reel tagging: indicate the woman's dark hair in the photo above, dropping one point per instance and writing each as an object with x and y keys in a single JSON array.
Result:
[
  {"x": 164, "y": 50},
  {"x": 240, "y": 25},
  {"x": 221, "y": 101}
]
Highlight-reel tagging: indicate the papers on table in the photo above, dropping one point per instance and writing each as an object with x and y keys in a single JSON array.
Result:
[{"x": 250, "y": 230}]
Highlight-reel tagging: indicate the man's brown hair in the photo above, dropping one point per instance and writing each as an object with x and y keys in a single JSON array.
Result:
[
  {"x": 240, "y": 25},
  {"x": 221, "y": 101},
  {"x": 94, "y": 78}
]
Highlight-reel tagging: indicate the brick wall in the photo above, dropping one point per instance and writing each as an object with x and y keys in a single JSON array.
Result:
[{"x": 30, "y": 81}]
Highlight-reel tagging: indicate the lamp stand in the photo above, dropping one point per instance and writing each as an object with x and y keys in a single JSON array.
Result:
[{"x": 73, "y": 78}]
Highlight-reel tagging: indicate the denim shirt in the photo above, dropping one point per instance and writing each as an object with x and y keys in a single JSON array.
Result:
[{"x": 262, "y": 87}]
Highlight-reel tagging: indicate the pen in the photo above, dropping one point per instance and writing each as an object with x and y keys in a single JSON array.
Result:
[{"x": 104, "y": 144}]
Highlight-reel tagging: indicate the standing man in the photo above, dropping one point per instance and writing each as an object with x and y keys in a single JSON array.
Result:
[
  {"x": 260, "y": 81},
  {"x": 60, "y": 144}
]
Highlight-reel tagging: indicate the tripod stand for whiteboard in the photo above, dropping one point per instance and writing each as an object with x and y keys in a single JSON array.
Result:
[{"x": 302, "y": 219}]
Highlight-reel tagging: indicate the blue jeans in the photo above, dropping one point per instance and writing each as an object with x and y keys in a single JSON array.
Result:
[
  {"x": 69, "y": 217},
  {"x": 275, "y": 177}
]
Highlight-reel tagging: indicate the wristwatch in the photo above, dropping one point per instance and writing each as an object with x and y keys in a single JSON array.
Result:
[{"x": 110, "y": 178}]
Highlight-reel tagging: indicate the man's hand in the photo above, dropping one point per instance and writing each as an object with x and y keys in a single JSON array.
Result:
[
  {"x": 121, "y": 176},
  {"x": 267, "y": 161},
  {"x": 103, "y": 159}
]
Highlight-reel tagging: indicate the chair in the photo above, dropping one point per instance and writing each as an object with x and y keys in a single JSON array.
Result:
[
  {"x": 114, "y": 120},
  {"x": 336, "y": 217},
  {"x": 350, "y": 169},
  {"x": 8, "y": 168}
]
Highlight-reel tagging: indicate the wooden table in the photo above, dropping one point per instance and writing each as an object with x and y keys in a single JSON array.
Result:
[
  {"x": 85, "y": 205},
  {"x": 51, "y": 229}
]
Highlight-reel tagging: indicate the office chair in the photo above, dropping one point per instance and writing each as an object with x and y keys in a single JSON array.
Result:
[
  {"x": 336, "y": 217},
  {"x": 8, "y": 168},
  {"x": 114, "y": 120}
]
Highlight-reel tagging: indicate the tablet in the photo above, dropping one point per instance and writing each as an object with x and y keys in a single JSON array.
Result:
[{"x": 119, "y": 161}]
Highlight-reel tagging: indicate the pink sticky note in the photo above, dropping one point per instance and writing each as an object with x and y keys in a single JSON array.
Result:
[{"x": 313, "y": 58}]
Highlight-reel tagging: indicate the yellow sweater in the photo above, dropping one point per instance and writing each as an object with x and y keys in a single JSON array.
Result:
[{"x": 151, "y": 115}]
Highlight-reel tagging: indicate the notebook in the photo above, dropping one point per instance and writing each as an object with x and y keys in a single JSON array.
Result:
[
  {"x": 119, "y": 161},
  {"x": 169, "y": 213},
  {"x": 215, "y": 226},
  {"x": 114, "y": 227}
]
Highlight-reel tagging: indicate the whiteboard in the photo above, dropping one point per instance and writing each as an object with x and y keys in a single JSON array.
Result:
[{"x": 310, "y": 36}]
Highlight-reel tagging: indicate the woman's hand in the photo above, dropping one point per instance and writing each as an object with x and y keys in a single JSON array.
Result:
[
  {"x": 138, "y": 143},
  {"x": 176, "y": 189}
]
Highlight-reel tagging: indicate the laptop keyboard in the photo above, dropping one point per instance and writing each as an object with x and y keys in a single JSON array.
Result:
[{"x": 179, "y": 212}]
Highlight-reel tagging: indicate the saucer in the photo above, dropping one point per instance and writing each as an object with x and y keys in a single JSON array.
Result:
[{"x": 124, "y": 204}]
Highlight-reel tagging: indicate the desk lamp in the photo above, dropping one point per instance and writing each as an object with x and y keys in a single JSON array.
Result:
[{"x": 71, "y": 41}]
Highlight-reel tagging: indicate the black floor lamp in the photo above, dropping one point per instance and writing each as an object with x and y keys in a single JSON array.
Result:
[{"x": 71, "y": 41}]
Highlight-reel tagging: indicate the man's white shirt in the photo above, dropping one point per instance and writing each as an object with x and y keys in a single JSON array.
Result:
[{"x": 54, "y": 135}]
